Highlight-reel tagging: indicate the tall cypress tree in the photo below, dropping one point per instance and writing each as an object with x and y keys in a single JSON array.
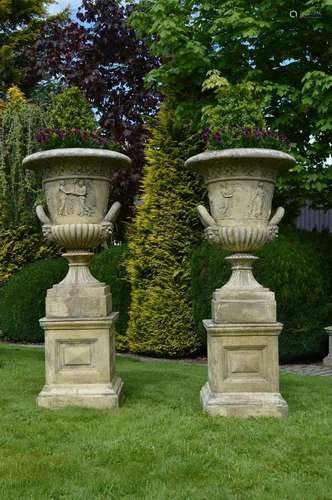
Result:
[{"x": 163, "y": 234}]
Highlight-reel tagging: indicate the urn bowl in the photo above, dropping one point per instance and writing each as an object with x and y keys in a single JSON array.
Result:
[
  {"x": 240, "y": 184},
  {"x": 76, "y": 182}
]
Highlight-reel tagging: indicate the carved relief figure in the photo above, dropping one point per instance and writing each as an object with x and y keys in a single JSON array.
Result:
[
  {"x": 72, "y": 198},
  {"x": 226, "y": 200},
  {"x": 63, "y": 199},
  {"x": 258, "y": 204}
]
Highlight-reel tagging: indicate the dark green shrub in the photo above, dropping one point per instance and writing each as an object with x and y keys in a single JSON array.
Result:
[
  {"x": 297, "y": 268},
  {"x": 22, "y": 299},
  {"x": 19, "y": 246},
  {"x": 109, "y": 267}
]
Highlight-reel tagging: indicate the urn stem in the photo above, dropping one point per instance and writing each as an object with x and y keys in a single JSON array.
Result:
[
  {"x": 242, "y": 277},
  {"x": 79, "y": 273}
]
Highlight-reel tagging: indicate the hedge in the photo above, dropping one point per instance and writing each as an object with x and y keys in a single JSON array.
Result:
[
  {"x": 21, "y": 245},
  {"x": 22, "y": 299},
  {"x": 297, "y": 267}
]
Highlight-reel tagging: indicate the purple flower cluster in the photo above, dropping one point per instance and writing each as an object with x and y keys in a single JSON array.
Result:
[
  {"x": 75, "y": 136},
  {"x": 244, "y": 133},
  {"x": 239, "y": 137}
]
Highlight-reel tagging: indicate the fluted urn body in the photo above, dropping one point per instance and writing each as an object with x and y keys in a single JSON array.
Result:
[
  {"x": 77, "y": 185},
  {"x": 240, "y": 185}
]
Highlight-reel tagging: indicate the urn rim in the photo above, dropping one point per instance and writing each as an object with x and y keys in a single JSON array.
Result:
[
  {"x": 285, "y": 160},
  {"x": 37, "y": 160}
]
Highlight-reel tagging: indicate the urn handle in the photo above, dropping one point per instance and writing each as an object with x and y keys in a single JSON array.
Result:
[
  {"x": 113, "y": 213},
  {"x": 45, "y": 221},
  {"x": 107, "y": 225},
  {"x": 206, "y": 219},
  {"x": 42, "y": 216},
  {"x": 273, "y": 228},
  {"x": 211, "y": 230},
  {"x": 280, "y": 212}
]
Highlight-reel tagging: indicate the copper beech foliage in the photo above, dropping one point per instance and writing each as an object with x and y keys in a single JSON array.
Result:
[{"x": 100, "y": 54}]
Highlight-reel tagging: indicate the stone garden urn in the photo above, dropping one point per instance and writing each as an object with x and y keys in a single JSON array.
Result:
[
  {"x": 79, "y": 323},
  {"x": 243, "y": 332}
]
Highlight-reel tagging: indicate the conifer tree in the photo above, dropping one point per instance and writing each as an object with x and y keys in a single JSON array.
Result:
[{"x": 163, "y": 235}]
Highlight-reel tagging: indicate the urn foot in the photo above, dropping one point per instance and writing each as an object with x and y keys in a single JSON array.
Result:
[{"x": 243, "y": 404}]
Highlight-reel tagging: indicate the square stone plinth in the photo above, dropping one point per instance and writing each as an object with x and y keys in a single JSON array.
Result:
[
  {"x": 80, "y": 363},
  {"x": 243, "y": 370},
  {"x": 327, "y": 361}
]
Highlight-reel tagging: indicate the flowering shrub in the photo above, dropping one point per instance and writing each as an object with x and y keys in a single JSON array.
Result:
[
  {"x": 49, "y": 138},
  {"x": 245, "y": 137}
]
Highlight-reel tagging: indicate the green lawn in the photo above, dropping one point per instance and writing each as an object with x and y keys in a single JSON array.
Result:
[{"x": 159, "y": 445}]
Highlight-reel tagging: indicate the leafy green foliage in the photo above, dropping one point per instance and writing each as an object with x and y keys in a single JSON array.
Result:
[
  {"x": 288, "y": 58},
  {"x": 22, "y": 299},
  {"x": 297, "y": 269},
  {"x": 236, "y": 118},
  {"x": 238, "y": 105},
  {"x": 164, "y": 231},
  {"x": 20, "y": 246},
  {"x": 70, "y": 109},
  {"x": 19, "y": 188}
]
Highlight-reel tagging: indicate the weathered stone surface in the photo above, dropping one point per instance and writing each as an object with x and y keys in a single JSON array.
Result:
[
  {"x": 80, "y": 364},
  {"x": 243, "y": 358},
  {"x": 244, "y": 405}
]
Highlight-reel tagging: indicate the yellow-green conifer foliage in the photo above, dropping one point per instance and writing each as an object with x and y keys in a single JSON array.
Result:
[
  {"x": 20, "y": 246},
  {"x": 15, "y": 95},
  {"x": 19, "y": 122},
  {"x": 70, "y": 109},
  {"x": 164, "y": 232}
]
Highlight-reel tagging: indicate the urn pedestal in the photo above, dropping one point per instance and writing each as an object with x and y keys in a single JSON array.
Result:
[
  {"x": 79, "y": 324},
  {"x": 242, "y": 336},
  {"x": 327, "y": 361}
]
